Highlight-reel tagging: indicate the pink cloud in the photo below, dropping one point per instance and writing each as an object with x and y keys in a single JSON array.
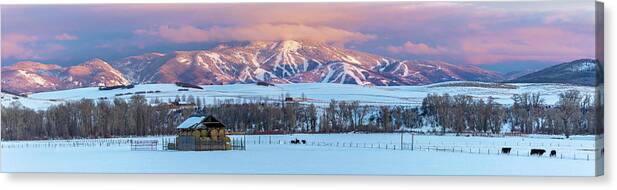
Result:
[
  {"x": 264, "y": 32},
  {"x": 21, "y": 46},
  {"x": 484, "y": 45},
  {"x": 66, "y": 37},
  {"x": 417, "y": 49},
  {"x": 520, "y": 44},
  {"x": 467, "y": 32},
  {"x": 15, "y": 46}
]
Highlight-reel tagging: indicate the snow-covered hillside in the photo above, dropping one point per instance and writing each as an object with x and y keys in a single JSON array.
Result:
[
  {"x": 318, "y": 93},
  {"x": 30, "y": 76},
  {"x": 580, "y": 72},
  {"x": 290, "y": 61}
]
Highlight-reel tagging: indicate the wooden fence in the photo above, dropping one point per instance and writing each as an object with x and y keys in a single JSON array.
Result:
[{"x": 144, "y": 145}]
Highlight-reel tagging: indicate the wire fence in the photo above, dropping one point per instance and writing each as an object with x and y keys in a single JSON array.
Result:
[
  {"x": 482, "y": 150},
  {"x": 519, "y": 149},
  {"x": 134, "y": 144},
  {"x": 68, "y": 143},
  {"x": 498, "y": 151}
]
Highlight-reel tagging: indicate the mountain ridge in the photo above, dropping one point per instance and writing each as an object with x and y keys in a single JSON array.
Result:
[
  {"x": 579, "y": 72},
  {"x": 285, "y": 61},
  {"x": 28, "y": 76},
  {"x": 290, "y": 61}
]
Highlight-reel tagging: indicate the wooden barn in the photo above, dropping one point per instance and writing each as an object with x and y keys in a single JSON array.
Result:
[{"x": 201, "y": 133}]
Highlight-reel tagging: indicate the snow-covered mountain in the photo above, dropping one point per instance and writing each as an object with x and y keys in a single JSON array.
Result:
[
  {"x": 580, "y": 72},
  {"x": 290, "y": 62},
  {"x": 30, "y": 76},
  {"x": 248, "y": 62}
]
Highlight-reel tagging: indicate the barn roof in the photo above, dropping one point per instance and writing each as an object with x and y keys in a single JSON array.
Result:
[
  {"x": 191, "y": 122},
  {"x": 197, "y": 122},
  {"x": 210, "y": 121}
]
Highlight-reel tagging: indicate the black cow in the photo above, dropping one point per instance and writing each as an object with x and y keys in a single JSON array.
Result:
[
  {"x": 553, "y": 153},
  {"x": 296, "y": 141},
  {"x": 538, "y": 152},
  {"x": 506, "y": 150}
]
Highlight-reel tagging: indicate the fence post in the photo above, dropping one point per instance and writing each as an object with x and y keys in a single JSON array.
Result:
[
  {"x": 401, "y": 141},
  {"x": 412, "y": 141}
]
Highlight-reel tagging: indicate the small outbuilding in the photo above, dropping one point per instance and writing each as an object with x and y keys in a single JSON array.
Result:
[
  {"x": 201, "y": 133},
  {"x": 178, "y": 105}
]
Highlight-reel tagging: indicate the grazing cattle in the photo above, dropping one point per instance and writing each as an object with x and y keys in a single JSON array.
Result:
[
  {"x": 296, "y": 141},
  {"x": 553, "y": 153},
  {"x": 538, "y": 152},
  {"x": 506, "y": 150},
  {"x": 303, "y": 141}
]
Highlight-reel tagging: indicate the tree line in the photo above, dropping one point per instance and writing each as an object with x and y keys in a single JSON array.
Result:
[
  {"x": 89, "y": 119},
  {"x": 574, "y": 113}
]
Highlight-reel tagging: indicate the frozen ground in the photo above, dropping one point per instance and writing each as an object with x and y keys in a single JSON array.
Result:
[
  {"x": 321, "y": 155},
  {"x": 318, "y": 93}
]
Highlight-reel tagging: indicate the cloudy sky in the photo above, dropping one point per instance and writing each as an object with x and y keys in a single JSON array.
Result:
[{"x": 507, "y": 34}]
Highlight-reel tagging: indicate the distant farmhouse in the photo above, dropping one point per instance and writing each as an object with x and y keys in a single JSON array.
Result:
[{"x": 178, "y": 105}]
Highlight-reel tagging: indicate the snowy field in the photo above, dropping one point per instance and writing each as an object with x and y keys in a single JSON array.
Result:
[
  {"x": 323, "y": 154},
  {"x": 318, "y": 93}
]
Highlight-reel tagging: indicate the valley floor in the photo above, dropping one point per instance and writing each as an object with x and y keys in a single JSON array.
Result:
[
  {"x": 317, "y": 93},
  {"x": 323, "y": 154}
]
